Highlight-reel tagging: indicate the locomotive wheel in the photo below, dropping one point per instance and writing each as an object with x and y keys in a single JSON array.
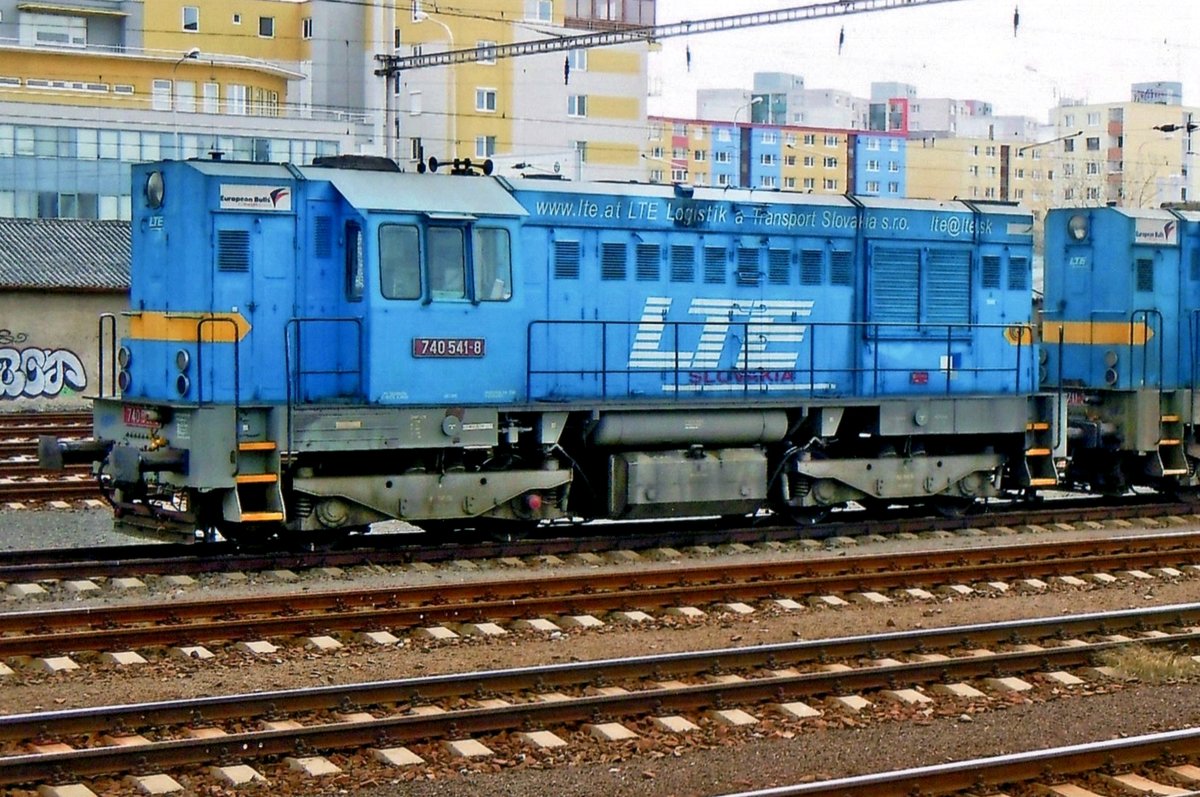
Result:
[
  {"x": 953, "y": 506},
  {"x": 806, "y": 515}
]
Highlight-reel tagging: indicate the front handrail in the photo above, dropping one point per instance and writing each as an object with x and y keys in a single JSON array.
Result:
[{"x": 111, "y": 320}]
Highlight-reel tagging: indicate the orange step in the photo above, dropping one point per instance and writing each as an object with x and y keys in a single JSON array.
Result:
[
  {"x": 257, "y": 478},
  {"x": 261, "y": 517},
  {"x": 257, "y": 445}
]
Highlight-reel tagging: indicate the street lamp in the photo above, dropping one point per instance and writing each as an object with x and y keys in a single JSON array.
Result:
[
  {"x": 741, "y": 108},
  {"x": 1050, "y": 141},
  {"x": 190, "y": 55},
  {"x": 421, "y": 16}
]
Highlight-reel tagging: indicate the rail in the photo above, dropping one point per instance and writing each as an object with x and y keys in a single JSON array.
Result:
[
  {"x": 294, "y": 378},
  {"x": 686, "y": 358}
]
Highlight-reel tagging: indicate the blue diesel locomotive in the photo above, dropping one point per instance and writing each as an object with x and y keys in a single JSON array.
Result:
[
  {"x": 317, "y": 348},
  {"x": 1121, "y": 320}
]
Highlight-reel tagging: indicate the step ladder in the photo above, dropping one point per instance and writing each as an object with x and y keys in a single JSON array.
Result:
[
  {"x": 257, "y": 492},
  {"x": 1039, "y": 455},
  {"x": 1170, "y": 459}
]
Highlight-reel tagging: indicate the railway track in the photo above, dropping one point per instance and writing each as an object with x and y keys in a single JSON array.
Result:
[
  {"x": 126, "y": 626},
  {"x": 784, "y": 680},
  {"x": 21, "y": 480}
]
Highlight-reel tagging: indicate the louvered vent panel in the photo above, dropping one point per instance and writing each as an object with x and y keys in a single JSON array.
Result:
[
  {"x": 894, "y": 285},
  {"x": 841, "y": 268},
  {"x": 323, "y": 236},
  {"x": 948, "y": 289},
  {"x": 612, "y": 261},
  {"x": 714, "y": 265},
  {"x": 648, "y": 256},
  {"x": 566, "y": 260},
  {"x": 233, "y": 250},
  {"x": 1018, "y": 273},
  {"x": 747, "y": 267},
  {"x": 1145, "y": 275},
  {"x": 683, "y": 264},
  {"x": 778, "y": 261},
  {"x": 810, "y": 267},
  {"x": 991, "y": 271}
]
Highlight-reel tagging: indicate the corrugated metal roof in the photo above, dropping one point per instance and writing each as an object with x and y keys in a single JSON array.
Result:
[{"x": 64, "y": 254}]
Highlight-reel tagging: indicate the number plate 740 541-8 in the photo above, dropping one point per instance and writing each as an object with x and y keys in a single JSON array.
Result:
[{"x": 140, "y": 416}]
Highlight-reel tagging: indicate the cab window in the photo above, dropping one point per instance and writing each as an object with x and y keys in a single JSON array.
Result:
[
  {"x": 399, "y": 262},
  {"x": 493, "y": 265},
  {"x": 447, "y": 263}
]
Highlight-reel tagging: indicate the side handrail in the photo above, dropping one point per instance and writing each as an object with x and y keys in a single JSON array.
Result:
[
  {"x": 109, "y": 319},
  {"x": 237, "y": 372},
  {"x": 293, "y": 380},
  {"x": 1146, "y": 314}
]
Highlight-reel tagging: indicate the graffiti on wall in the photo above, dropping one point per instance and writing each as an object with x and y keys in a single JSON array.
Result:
[{"x": 37, "y": 373}]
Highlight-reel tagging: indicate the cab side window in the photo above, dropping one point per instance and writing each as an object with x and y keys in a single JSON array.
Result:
[
  {"x": 493, "y": 265},
  {"x": 447, "y": 263},
  {"x": 399, "y": 262}
]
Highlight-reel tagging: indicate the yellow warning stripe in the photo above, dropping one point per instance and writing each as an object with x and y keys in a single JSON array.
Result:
[
  {"x": 1099, "y": 333},
  {"x": 184, "y": 327}
]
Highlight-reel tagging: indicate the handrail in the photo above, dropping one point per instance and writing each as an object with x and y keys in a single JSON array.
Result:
[
  {"x": 112, "y": 318},
  {"x": 237, "y": 373},
  {"x": 677, "y": 365},
  {"x": 1146, "y": 314},
  {"x": 293, "y": 384}
]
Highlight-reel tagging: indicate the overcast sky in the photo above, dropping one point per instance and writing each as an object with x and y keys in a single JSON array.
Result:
[{"x": 1089, "y": 49}]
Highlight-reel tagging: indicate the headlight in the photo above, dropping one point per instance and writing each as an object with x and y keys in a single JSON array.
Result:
[
  {"x": 182, "y": 360},
  {"x": 1078, "y": 227},
  {"x": 155, "y": 190}
]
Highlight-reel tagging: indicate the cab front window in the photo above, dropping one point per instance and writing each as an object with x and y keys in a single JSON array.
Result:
[
  {"x": 493, "y": 265},
  {"x": 447, "y": 263}
]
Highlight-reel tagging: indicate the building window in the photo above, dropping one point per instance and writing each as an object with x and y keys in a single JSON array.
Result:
[
  {"x": 415, "y": 102},
  {"x": 1093, "y": 117},
  {"x": 212, "y": 101},
  {"x": 872, "y": 166},
  {"x": 698, "y": 132},
  {"x": 809, "y": 183},
  {"x": 679, "y": 129},
  {"x": 306, "y": 28},
  {"x": 191, "y": 18},
  {"x": 185, "y": 96},
  {"x": 831, "y": 141},
  {"x": 266, "y": 27},
  {"x": 831, "y": 163},
  {"x": 485, "y": 100},
  {"x": 1093, "y": 143},
  {"x": 831, "y": 184},
  {"x": 810, "y": 161},
  {"x": 1093, "y": 167},
  {"x": 722, "y": 180},
  {"x": 872, "y": 186},
  {"x": 721, "y": 157},
  {"x": 679, "y": 175},
  {"x": 872, "y": 144},
  {"x": 488, "y": 54},
  {"x": 767, "y": 159},
  {"x": 656, "y": 175},
  {"x": 894, "y": 188},
  {"x": 810, "y": 139},
  {"x": 723, "y": 135},
  {"x": 235, "y": 99},
  {"x": 789, "y": 183},
  {"x": 539, "y": 10},
  {"x": 418, "y": 13},
  {"x": 581, "y": 148},
  {"x": 789, "y": 160},
  {"x": 485, "y": 146},
  {"x": 577, "y": 105},
  {"x": 160, "y": 95},
  {"x": 578, "y": 60},
  {"x": 894, "y": 145},
  {"x": 1069, "y": 145},
  {"x": 767, "y": 181},
  {"x": 653, "y": 133},
  {"x": 893, "y": 166},
  {"x": 56, "y": 30},
  {"x": 699, "y": 155},
  {"x": 770, "y": 137},
  {"x": 699, "y": 178}
]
